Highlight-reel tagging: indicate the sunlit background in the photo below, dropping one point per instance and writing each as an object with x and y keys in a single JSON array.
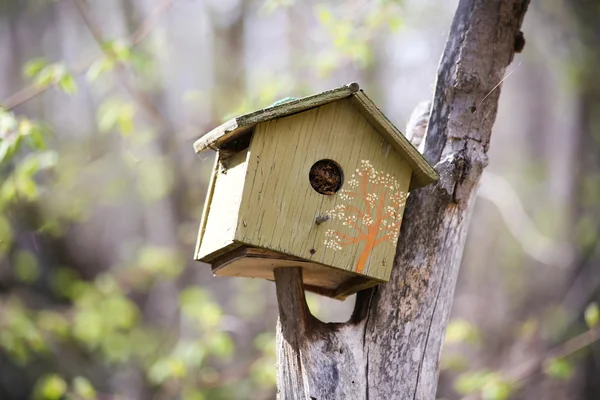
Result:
[{"x": 101, "y": 192}]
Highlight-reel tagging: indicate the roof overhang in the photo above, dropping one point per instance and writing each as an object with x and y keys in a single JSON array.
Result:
[{"x": 236, "y": 128}]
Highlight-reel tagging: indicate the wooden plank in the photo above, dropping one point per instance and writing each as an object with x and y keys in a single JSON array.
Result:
[
  {"x": 236, "y": 128},
  {"x": 207, "y": 200},
  {"x": 239, "y": 125},
  {"x": 259, "y": 263},
  {"x": 222, "y": 218},
  {"x": 279, "y": 206},
  {"x": 423, "y": 173}
]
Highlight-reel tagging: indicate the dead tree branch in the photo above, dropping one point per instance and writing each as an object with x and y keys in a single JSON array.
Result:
[{"x": 390, "y": 348}]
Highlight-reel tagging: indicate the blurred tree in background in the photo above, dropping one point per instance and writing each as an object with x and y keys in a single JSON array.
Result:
[{"x": 101, "y": 192}]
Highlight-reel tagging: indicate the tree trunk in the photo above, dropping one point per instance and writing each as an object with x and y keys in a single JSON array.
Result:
[{"x": 390, "y": 347}]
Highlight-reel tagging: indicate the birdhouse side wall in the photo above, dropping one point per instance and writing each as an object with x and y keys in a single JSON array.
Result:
[
  {"x": 217, "y": 232},
  {"x": 361, "y": 221}
]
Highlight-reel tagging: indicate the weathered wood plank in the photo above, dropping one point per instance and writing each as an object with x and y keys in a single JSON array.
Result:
[
  {"x": 390, "y": 348},
  {"x": 260, "y": 263},
  {"x": 237, "y": 126},
  {"x": 242, "y": 126},
  {"x": 225, "y": 200},
  {"x": 423, "y": 173},
  {"x": 279, "y": 206}
]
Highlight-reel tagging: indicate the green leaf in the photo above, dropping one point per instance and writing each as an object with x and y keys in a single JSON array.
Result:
[
  {"x": 496, "y": 389},
  {"x": 115, "y": 113},
  {"x": 125, "y": 122},
  {"x": 26, "y": 187},
  {"x": 470, "y": 382},
  {"x": 83, "y": 388},
  {"x": 324, "y": 15},
  {"x": 87, "y": 328},
  {"x": 118, "y": 312},
  {"x": 220, "y": 344},
  {"x": 67, "y": 84},
  {"x": 160, "y": 260},
  {"x": 118, "y": 49},
  {"x": 460, "y": 330},
  {"x": 592, "y": 315},
  {"x": 5, "y": 151},
  {"x": 8, "y": 123},
  {"x": 53, "y": 322},
  {"x": 395, "y": 23},
  {"x": 6, "y": 236},
  {"x": 50, "y": 74},
  {"x": 108, "y": 114},
  {"x": 98, "y": 68},
  {"x": 192, "y": 394},
  {"x": 165, "y": 369},
  {"x": 558, "y": 368},
  {"x": 52, "y": 387},
  {"x": 26, "y": 266},
  {"x": 33, "y": 67},
  {"x": 35, "y": 138}
]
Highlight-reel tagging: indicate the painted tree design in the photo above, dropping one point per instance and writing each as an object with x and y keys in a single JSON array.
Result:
[{"x": 378, "y": 220}]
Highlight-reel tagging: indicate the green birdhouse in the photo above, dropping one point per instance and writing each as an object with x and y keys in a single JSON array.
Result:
[{"x": 318, "y": 182}]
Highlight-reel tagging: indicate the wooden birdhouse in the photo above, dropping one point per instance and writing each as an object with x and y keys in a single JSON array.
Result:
[{"x": 318, "y": 182}]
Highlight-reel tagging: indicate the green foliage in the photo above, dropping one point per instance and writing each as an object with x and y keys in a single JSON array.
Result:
[
  {"x": 6, "y": 236},
  {"x": 352, "y": 35},
  {"x": 490, "y": 385},
  {"x": 558, "y": 368},
  {"x": 51, "y": 387},
  {"x": 83, "y": 389},
  {"x": 460, "y": 330},
  {"x": 45, "y": 74},
  {"x": 119, "y": 50},
  {"x": 592, "y": 315},
  {"x": 99, "y": 67},
  {"x": 50, "y": 186},
  {"x": 26, "y": 267},
  {"x": 262, "y": 371},
  {"x": 116, "y": 114}
]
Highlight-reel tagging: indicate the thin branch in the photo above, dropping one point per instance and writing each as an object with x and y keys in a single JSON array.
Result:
[
  {"x": 521, "y": 372},
  {"x": 137, "y": 96},
  {"x": 533, "y": 242},
  {"x": 32, "y": 91},
  {"x": 150, "y": 22},
  {"x": 84, "y": 11},
  {"x": 384, "y": 238}
]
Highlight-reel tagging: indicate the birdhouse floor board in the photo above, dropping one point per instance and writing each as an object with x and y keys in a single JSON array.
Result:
[{"x": 258, "y": 263}]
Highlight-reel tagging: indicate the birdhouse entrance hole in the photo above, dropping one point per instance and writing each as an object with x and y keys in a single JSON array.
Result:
[{"x": 326, "y": 177}]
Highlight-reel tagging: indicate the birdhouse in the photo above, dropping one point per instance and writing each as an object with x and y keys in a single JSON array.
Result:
[{"x": 318, "y": 182}]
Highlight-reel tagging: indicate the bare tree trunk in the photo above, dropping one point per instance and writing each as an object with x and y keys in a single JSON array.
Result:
[{"x": 391, "y": 346}]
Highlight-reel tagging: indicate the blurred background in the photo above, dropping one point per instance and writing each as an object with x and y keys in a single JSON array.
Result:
[{"x": 101, "y": 192}]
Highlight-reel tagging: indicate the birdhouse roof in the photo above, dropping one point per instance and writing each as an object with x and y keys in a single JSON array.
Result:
[{"x": 234, "y": 129}]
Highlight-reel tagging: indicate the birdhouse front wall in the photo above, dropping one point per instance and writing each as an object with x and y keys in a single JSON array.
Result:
[{"x": 359, "y": 223}]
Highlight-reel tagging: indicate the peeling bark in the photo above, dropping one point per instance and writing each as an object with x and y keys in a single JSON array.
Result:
[{"x": 390, "y": 348}]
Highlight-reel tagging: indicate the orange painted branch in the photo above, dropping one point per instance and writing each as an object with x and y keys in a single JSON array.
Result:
[
  {"x": 383, "y": 239},
  {"x": 353, "y": 241},
  {"x": 358, "y": 228}
]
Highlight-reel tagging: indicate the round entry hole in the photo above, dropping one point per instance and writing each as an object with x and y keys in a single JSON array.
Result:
[{"x": 326, "y": 177}]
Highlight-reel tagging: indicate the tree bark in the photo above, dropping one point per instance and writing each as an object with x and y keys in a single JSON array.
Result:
[{"x": 390, "y": 347}]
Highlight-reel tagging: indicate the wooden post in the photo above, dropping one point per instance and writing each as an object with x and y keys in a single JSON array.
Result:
[{"x": 390, "y": 348}]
